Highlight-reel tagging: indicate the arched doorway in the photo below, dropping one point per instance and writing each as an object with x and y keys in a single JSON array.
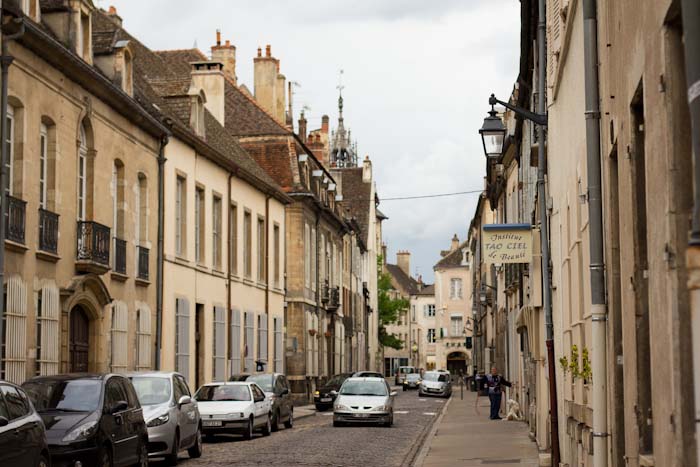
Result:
[
  {"x": 456, "y": 363},
  {"x": 79, "y": 343}
]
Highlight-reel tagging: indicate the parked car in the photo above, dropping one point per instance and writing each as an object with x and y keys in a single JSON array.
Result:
[
  {"x": 364, "y": 400},
  {"x": 401, "y": 373},
  {"x": 412, "y": 381},
  {"x": 276, "y": 389},
  {"x": 368, "y": 374},
  {"x": 435, "y": 383},
  {"x": 325, "y": 395},
  {"x": 22, "y": 434},
  {"x": 172, "y": 417},
  {"x": 234, "y": 407},
  {"x": 95, "y": 419}
]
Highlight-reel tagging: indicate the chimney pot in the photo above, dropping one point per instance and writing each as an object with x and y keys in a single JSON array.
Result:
[
  {"x": 259, "y": 52},
  {"x": 228, "y": 43},
  {"x": 268, "y": 50},
  {"x": 324, "y": 124},
  {"x": 112, "y": 10},
  {"x": 218, "y": 37}
]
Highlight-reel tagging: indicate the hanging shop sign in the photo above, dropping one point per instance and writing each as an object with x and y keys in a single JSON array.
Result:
[{"x": 507, "y": 243}]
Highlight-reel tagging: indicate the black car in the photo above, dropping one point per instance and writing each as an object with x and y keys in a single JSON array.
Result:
[
  {"x": 22, "y": 435},
  {"x": 323, "y": 399},
  {"x": 92, "y": 418},
  {"x": 276, "y": 388}
]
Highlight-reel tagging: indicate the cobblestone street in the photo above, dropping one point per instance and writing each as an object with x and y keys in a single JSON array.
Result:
[{"x": 315, "y": 442}]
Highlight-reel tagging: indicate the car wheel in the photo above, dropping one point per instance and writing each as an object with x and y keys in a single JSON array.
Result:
[
  {"x": 143, "y": 456},
  {"x": 196, "y": 450},
  {"x": 290, "y": 421},
  {"x": 248, "y": 434},
  {"x": 171, "y": 459},
  {"x": 321, "y": 408},
  {"x": 337, "y": 424},
  {"x": 390, "y": 422},
  {"x": 267, "y": 429},
  {"x": 276, "y": 421},
  {"x": 105, "y": 457},
  {"x": 404, "y": 388},
  {"x": 43, "y": 461}
]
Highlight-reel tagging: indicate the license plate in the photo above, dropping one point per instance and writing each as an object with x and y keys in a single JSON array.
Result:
[
  {"x": 361, "y": 415},
  {"x": 326, "y": 399},
  {"x": 211, "y": 422}
]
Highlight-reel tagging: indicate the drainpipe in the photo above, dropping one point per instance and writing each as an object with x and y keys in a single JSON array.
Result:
[
  {"x": 318, "y": 288},
  {"x": 595, "y": 214},
  {"x": 5, "y": 62},
  {"x": 159, "y": 247},
  {"x": 691, "y": 37},
  {"x": 229, "y": 250},
  {"x": 267, "y": 278},
  {"x": 544, "y": 233}
]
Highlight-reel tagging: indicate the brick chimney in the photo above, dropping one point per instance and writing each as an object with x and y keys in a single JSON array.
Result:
[
  {"x": 302, "y": 127},
  {"x": 269, "y": 84},
  {"x": 403, "y": 261},
  {"x": 455, "y": 243},
  {"x": 112, "y": 14},
  {"x": 225, "y": 54},
  {"x": 325, "y": 124}
]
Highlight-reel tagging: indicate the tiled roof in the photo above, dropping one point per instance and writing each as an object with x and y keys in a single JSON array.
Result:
[
  {"x": 357, "y": 197},
  {"x": 273, "y": 155},
  {"x": 407, "y": 283},
  {"x": 53, "y": 5},
  {"x": 453, "y": 258},
  {"x": 427, "y": 290}
]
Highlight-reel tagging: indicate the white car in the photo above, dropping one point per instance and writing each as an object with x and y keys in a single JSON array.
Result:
[{"x": 234, "y": 407}]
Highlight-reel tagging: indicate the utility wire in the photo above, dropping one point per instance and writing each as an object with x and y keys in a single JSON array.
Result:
[{"x": 439, "y": 195}]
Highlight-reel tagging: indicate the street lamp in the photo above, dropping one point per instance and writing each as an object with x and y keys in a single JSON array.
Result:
[{"x": 493, "y": 133}]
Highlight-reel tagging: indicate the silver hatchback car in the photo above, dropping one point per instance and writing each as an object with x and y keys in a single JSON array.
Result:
[
  {"x": 171, "y": 415},
  {"x": 435, "y": 383},
  {"x": 364, "y": 400}
]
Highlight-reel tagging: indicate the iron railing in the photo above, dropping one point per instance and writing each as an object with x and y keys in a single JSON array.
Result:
[
  {"x": 48, "y": 231},
  {"x": 16, "y": 215},
  {"x": 143, "y": 262},
  {"x": 119, "y": 255},
  {"x": 334, "y": 302},
  {"x": 93, "y": 242}
]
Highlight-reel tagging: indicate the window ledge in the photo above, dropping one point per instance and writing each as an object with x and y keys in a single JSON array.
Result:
[
  {"x": 249, "y": 281},
  {"x": 181, "y": 260},
  {"x": 14, "y": 246},
  {"x": 118, "y": 276},
  {"x": 646, "y": 460},
  {"x": 202, "y": 268},
  {"x": 46, "y": 256},
  {"x": 216, "y": 272},
  {"x": 142, "y": 282}
]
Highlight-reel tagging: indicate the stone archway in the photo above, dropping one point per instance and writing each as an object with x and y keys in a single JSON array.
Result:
[{"x": 456, "y": 362}]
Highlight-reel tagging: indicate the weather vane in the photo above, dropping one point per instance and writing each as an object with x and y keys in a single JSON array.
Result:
[{"x": 340, "y": 86}]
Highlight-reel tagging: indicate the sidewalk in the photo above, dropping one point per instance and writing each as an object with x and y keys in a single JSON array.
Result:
[
  {"x": 304, "y": 411},
  {"x": 465, "y": 438}
]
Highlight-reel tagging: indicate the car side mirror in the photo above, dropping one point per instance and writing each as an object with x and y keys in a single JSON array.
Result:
[
  {"x": 334, "y": 393},
  {"x": 284, "y": 392},
  {"x": 184, "y": 400},
  {"x": 119, "y": 406},
  {"x": 4, "y": 421},
  {"x": 392, "y": 393}
]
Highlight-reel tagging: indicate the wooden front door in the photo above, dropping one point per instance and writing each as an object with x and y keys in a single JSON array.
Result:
[{"x": 79, "y": 340}]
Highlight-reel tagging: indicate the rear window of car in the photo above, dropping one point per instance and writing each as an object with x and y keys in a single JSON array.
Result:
[
  {"x": 239, "y": 392},
  {"x": 17, "y": 404}
]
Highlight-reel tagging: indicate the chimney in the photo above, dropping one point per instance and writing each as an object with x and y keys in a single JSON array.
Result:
[
  {"x": 209, "y": 77},
  {"x": 225, "y": 54},
  {"x": 383, "y": 253},
  {"x": 266, "y": 83},
  {"x": 455, "y": 243},
  {"x": 403, "y": 261},
  {"x": 280, "y": 96},
  {"x": 324, "y": 124},
  {"x": 366, "y": 170},
  {"x": 112, "y": 13},
  {"x": 302, "y": 127}
]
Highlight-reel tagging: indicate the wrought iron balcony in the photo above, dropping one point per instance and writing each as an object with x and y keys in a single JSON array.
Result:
[
  {"x": 48, "y": 231},
  {"x": 143, "y": 262},
  {"x": 93, "y": 241},
  {"x": 15, "y": 222},
  {"x": 325, "y": 292},
  {"x": 334, "y": 299},
  {"x": 119, "y": 255}
]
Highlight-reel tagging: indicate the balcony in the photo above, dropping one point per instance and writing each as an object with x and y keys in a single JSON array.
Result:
[
  {"x": 333, "y": 299},
  {"x": 119, "y": 256},
  {"x": 143, "y": 255},
  {"x": 93, "y": 242},
  {"x": 16, "y": 215},
  {"x": 48, "y": 231}
]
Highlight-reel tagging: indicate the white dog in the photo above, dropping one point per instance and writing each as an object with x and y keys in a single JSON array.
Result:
[{"x": 513, "y": 410}]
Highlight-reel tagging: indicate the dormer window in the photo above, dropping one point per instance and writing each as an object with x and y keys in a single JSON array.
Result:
[
  {"x": 128, "y": 74},
  {"x": 197, "y": 102},
  {"x": 85, "y": 35}
]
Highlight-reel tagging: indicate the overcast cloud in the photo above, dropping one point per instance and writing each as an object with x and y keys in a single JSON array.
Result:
[{"x": 417, "y": 77}]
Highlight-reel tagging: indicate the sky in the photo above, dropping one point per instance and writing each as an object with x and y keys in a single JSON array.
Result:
[{"x": 416, "y": 79}]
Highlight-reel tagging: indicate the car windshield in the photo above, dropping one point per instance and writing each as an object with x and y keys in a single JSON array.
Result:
[
  {"x": 227, "y": 392},
  {"x": 363, "y": 388},
  {"x": 264, "y": 381},
  {"x": 336, "y": 380},
  {"x": 407, "y": 369},
  {"x": 152, "y": 390},
  {"x": 413, "y": 377},
  {"x": 441, "y": 377},
  {"x": 78, "y": 395}
]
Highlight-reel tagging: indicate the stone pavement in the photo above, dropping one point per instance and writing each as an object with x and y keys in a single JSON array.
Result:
[
  {"x": 304, "y": 411},
  {"x": 465, "y": 437}
]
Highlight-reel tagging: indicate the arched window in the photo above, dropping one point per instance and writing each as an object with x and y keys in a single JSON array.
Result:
[{"x": 82, "y": 174}]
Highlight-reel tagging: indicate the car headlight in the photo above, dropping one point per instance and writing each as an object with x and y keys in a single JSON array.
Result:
[
  {"x": 234, "y": 415},
  {"x": 341, "y": 407},
  {"x": 382, "y": 408},
  {"x": 317, "y": 393},
  {"x": 158, "y": 421},
  {"x": 84, "y": 431}
]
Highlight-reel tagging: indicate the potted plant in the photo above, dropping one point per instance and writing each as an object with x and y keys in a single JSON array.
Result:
[
  {"x": 327, "y": 333},
  {"x": 312, "y": 332}
]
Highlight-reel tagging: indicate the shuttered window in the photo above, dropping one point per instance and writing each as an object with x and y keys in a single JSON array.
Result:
[
  {"x": 47, "y": 335},
  {"x": 249, "y": 339},
  {"x": 262, "y": 337},
  {"x": 219, "y": 344},
  {"x": 14, "y": 350},
  {"x": 235, "y": 341},
  {"x": 120, "y": 316},
  {"x": 554, "y": 39},
  {"x": 182, "y": 337},
  {"x": 312, "y": 344},
  {"x": 277, "y": 327},
  {"x": 143, "y": 338},
  {"x": 307, "y": 256}
]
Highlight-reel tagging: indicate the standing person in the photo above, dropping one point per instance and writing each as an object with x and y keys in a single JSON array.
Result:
[{"x": 491, "y": 384}]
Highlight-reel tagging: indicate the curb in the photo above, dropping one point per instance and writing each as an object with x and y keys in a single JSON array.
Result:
[
  {"x": 305, "y": 414},
  {"x": 419, "y": 457}
]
